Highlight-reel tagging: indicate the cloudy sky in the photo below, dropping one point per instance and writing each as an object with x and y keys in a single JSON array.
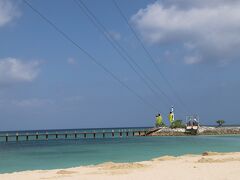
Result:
[{"x": 46, "y": 82}]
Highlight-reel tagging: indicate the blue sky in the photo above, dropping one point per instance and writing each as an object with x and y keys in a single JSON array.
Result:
[{"x": 46, "y": 82}]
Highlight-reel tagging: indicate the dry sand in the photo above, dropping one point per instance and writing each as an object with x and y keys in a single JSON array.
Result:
[{"x": 208, "y": 166}]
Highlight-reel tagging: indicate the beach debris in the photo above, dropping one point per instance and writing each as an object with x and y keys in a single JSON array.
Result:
[{"x": 209, "y": 153}]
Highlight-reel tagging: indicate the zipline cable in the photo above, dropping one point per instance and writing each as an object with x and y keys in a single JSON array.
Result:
[
  {"x": 119, "y": 49},
  {"x": 110, "y": 73},
  {"x": 149, "y": 54}
]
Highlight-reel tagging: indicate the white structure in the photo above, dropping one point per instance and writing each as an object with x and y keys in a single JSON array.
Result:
[
  {"x": 172, "y": 110},
  {"x": 192, "y": 122}
]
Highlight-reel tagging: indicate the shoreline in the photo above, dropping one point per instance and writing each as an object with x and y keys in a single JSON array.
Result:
[{"x": 209, "y": 165}]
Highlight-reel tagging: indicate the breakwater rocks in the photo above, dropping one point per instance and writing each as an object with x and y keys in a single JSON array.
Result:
[
  {"x": 165, "y": 131},
  {"x": 218, "y": 130},
  {"x": 203, "y": 130}
]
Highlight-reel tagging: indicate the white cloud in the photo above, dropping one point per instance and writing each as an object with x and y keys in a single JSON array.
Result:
[
  {"x": 8, "y": 11},
  {"x": 210, "y": 29},
  {"x": 73, "y": 99},
  {"x": 34, "y": 102},
  {"x": 71, "y": 61},
  {"x": 192, "y": 59},
  {"x": 38, "y": 102},
  {"x": 115, "y": 35},
  {"x": 14, "y": 71}
]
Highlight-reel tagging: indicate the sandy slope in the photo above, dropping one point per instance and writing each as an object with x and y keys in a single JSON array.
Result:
[{"x": 209, "y": 166}]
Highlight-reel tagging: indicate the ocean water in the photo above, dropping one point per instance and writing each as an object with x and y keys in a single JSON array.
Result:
[{"x": 52, "y": 154}]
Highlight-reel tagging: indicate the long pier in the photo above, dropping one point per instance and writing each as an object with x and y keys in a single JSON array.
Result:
[{"x": 10, "y": 137}]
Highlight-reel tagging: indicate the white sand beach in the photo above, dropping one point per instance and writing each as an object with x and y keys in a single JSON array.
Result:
[{"x": 209, "y": 166}]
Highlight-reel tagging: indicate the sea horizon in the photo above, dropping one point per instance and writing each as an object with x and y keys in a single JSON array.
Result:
[{"x": 101, "y": 128}]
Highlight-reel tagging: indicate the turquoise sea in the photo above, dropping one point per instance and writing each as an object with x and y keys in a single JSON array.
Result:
[{"x": 51, "y": 154}]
